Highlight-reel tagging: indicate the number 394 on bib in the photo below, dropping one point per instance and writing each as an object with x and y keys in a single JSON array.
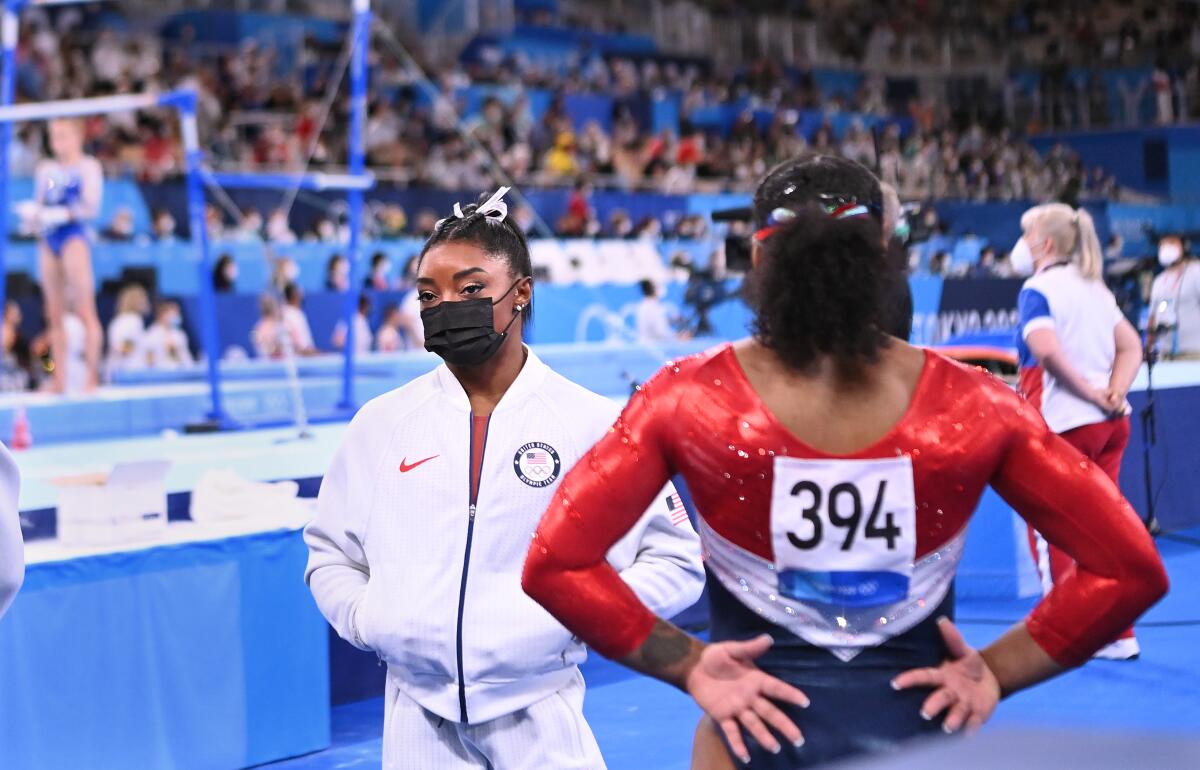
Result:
[{"x": 844, "y": 531}]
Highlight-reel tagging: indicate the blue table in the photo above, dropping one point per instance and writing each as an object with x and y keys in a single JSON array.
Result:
[{"x": 206, "y": 652}]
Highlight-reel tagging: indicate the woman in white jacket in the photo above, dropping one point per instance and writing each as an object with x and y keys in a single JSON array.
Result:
[{"x": 426, "y": 513}]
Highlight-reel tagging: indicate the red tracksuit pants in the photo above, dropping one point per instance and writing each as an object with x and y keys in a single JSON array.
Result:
[{"x": 1103, "y": 443}]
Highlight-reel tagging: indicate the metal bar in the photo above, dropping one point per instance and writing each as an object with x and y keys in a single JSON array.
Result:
[
  {"x": 8, "y": 80},
  {"x": 360, "y": 45},
  {"x": 271, "y": 181},
  {"x": 19, "y": 4},
  {"x": 68, "y": 108},
  {"x": 193, "y": 160}
]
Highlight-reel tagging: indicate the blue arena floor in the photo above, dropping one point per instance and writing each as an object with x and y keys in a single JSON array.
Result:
[{"x": 643, "y": 725}]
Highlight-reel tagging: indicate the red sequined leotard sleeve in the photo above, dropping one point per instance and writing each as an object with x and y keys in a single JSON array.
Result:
[{"x": 963, "y": 431}]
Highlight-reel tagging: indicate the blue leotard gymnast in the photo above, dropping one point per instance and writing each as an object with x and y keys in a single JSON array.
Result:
[{"x": 69, "y": 197}]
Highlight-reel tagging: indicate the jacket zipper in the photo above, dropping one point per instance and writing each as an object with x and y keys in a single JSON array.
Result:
[{"x": 462, "y": 589}]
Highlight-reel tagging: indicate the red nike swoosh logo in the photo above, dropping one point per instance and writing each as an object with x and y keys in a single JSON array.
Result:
[{"x": 405, "y": 467}]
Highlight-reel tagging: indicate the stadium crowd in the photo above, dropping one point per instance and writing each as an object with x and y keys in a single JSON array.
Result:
[{"x": 254, "y": 118}]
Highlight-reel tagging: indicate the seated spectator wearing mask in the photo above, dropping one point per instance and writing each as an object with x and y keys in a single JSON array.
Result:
[
  {"x": 337, "y": 273},
  {"x": 125, "y": 330},
  {"x": 381, "y": 268},
  {"x": 1175, "y": 301},
  {"x": 121, "y": 228},
  {"x": 296, "y": 322},
  {"x": 362, "y": 328},
  {"x": 165, "y": 343},
  {"x": 267, "y": 336},
  {"x": 389, "y": 339},
  {"x": 164, "y": 226}
]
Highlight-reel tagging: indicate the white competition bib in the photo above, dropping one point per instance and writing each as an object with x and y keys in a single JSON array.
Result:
[{"x": 844, "y": 531}]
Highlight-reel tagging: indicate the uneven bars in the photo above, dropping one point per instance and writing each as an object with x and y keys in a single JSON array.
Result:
[
  {"x": 17, "y": 5},
  {"x": 100, "y": 105},
  {"x": 272, "y": 181},
  {"x": 183, "y": 101}
]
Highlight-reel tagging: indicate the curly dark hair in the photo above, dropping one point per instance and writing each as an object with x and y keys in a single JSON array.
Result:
[
  {"x": 820, "y": 289},
  {"x": 817, "y": 179},
  {"x": 501, "y": 239}
]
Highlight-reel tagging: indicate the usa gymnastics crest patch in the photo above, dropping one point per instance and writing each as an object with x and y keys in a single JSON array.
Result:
[{"x": 537, "y": 464}]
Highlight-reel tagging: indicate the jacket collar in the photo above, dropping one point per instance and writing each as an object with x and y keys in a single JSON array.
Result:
[{"x": 529, "y": 380}]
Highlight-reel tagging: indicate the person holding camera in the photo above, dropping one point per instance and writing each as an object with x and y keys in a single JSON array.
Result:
[{"x": 1175, "y": 302}]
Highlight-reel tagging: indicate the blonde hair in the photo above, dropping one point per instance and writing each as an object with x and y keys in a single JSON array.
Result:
[
  {"x": 1072, "y": 232},
  {"x": 133, "y": 299}
]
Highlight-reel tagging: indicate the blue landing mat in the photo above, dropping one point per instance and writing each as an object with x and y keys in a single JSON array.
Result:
[{"x": 642, "y": 724}]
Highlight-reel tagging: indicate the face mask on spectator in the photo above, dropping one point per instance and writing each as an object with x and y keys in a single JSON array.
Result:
[
  {"x": 291, "y": 271},
  {"x": 1169, "y": 254}
]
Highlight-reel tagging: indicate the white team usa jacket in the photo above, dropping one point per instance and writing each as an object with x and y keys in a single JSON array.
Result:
[{"x": 401, "y": 565}]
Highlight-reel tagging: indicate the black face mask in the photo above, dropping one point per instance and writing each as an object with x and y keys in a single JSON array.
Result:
[{"x": 464, "y": 333}]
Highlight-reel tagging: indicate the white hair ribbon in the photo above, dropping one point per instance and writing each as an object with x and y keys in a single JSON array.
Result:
[{"x": 494, "y": 207}]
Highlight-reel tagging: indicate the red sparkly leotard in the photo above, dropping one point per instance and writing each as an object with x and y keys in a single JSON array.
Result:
[{"x": 846, "y": 552}]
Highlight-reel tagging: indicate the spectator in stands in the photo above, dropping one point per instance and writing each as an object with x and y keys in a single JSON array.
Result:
[
  {"x": 324, "y": 231},
  {"x": 426, "y": 220},
  {"x": 267, "y": 336},
  {"x": 214, "y": 221},
  {"x": 362, "y": 328},
  {"x": 164, "y": 226},
  {"x": 524, "y": 217},
  {"x": 392, "y": 221},
  {"x": 26, "y": 151},
  {"x": 126, "y": 328},
  {"x": 1175, "y": 301},
  {"x": 249, "y": 229},
  {"x": 15, "y": 374},
  {"x": 579, "y": 203},
  {"x": 561, "y": 162},
  {"x": 284, "y": 272},
  {"x": 296, "y": 322},
  {"x": 939, "y": 265},
  {"x": 225, "y": 274},
  {"x": 121, "y": 228},
  {"x": 619, "y": 224},
  {"x": 337, "y": 273},
  {"x": 651, "y": 320},
  {"x": 1115, "y": 247},
  {"x": 407, "y": 318},
  {"x": 648, "y": 228},
  {"x": 278, "y": 230},
  {"x": 390, "y": 339},
  {"x": 986, "y": 266},
  {"x": 165, "y": 343},
  {"x": 379, "y": 278}
]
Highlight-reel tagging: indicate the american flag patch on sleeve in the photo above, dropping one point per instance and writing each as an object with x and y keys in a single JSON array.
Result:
[{"x": 679, "y": 514}]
